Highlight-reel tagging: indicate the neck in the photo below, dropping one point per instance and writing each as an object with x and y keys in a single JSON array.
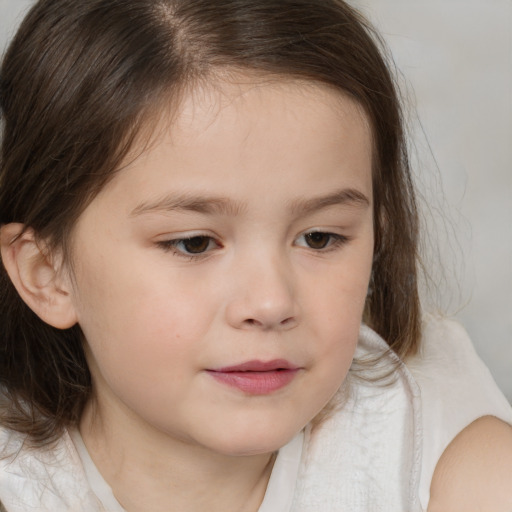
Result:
[{"x": 149, "y": 470}]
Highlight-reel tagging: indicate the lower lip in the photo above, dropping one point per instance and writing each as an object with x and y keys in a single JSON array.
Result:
[{"x": 256, "y": 383}]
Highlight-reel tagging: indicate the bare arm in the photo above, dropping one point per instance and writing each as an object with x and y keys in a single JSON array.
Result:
[{"x": 475, "y": 471}]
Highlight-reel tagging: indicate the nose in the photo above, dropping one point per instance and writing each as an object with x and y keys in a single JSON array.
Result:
[{"x": 263, "y": 296}]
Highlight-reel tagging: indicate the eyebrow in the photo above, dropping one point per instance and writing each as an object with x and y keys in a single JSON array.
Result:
[
  {"x": 224, "y": 206},
  {"x": 345, "y": 197},
  {"x": 190, "y": 203}
]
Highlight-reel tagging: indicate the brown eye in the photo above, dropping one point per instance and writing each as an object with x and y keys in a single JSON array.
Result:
[
  {"x": 318, "y": 240},
  {"x": 193, "y": 247},
  {"x": 196, "y": 244}
]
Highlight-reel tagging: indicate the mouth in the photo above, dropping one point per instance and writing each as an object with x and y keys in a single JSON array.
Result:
[{"x": 257, "y": 377}]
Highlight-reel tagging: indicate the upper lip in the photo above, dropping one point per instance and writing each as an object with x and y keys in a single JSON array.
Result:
[{"x": 258, "y": 366}]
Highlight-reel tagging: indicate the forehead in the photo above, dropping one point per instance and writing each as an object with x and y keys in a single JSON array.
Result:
[
  {"x": 251, "y": 101},
  {"x": 253, "y": 131}
]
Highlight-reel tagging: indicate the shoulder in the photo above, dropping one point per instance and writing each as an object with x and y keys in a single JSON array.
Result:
[
  {"x": 475, "y": 471},
  {"x": 456, "y": 386},
  {"x": 456, "y": 390}
]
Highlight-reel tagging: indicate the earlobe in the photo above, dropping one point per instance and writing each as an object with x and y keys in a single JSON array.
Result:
[{"x": 37, "y": 276}]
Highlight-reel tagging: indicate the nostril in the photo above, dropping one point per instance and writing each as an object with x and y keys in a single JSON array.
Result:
[{"x": 286, "y": 323}]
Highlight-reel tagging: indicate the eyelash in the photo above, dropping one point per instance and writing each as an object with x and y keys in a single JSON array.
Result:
[
  {"x": 173, "y": 246},
  {"x": 334, "y": 242}
]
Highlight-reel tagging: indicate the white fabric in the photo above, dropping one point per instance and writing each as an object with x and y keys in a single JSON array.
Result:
[
  {"x": 456, "y": 389},
  {"x": 376, "y": 452},
  {"x": 366, "y": 457},
  {"x": 44, "y": 480},
  {"x": 98, "y": 485}
]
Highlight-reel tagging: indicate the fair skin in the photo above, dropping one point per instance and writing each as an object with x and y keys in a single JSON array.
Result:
[
  {"x": 243, "y": 233},
  {"x": 474, "y": 473},
  {"x": 201, "y": 254}
]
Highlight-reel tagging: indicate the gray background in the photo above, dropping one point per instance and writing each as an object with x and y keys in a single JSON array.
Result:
[{"x": 455, "y": 57}]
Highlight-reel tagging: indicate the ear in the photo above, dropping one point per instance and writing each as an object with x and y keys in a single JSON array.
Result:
[{"x": 38, "y": 276}]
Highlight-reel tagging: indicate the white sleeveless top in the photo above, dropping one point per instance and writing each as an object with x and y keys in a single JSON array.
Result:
[{"x": 375, "y": 453}]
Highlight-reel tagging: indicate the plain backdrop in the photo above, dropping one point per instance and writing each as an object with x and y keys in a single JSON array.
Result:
[{"x": 455, "y": 60}]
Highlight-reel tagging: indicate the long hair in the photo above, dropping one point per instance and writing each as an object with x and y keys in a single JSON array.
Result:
[{"x": 79, "y": 82}]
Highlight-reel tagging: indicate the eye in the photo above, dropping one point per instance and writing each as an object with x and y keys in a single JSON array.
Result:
[
  {"x": 192, "y": 246},
  {"x": 320, "y": 240},
  {"x": 195, "y": 245},
  {"x": 317, "y": 240}
]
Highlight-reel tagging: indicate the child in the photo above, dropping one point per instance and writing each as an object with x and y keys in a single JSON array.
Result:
[{"x": 200, "y": 202}]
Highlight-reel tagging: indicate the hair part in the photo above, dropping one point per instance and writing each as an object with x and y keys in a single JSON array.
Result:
[{"x": 83, "y": 79}]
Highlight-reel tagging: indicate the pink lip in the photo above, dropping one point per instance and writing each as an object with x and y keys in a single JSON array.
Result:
[{"x": 257, "y": 377}]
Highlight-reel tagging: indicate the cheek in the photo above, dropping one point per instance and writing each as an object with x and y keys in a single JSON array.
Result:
[
  {"x": 335, "y": 314},
  {"x": 336, "y": 299},
  {"x": 136, "y": 321}
]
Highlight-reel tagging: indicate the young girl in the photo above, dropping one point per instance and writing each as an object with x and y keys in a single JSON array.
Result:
[{"x": 208, "y": 231}]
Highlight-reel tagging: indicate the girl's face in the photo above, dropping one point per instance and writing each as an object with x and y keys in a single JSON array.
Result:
[{"x": 220, "y": 277}]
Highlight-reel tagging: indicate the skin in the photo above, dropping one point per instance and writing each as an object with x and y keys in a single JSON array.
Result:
[
  {"x": 164, "y": 433},
  {"x": 474, "y": 473},
  {"x": 252, "y": 169}
]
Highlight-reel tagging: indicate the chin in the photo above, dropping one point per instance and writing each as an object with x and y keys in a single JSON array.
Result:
[{"x": 252, "y": 441}]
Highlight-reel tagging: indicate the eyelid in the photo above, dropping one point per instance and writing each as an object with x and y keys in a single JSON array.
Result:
[
  {"x": 337, "y": 240},
  {"x": 171, "y": 244}
]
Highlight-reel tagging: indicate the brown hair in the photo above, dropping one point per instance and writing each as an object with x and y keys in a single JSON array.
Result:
[{"x": 77, "y": 84}]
